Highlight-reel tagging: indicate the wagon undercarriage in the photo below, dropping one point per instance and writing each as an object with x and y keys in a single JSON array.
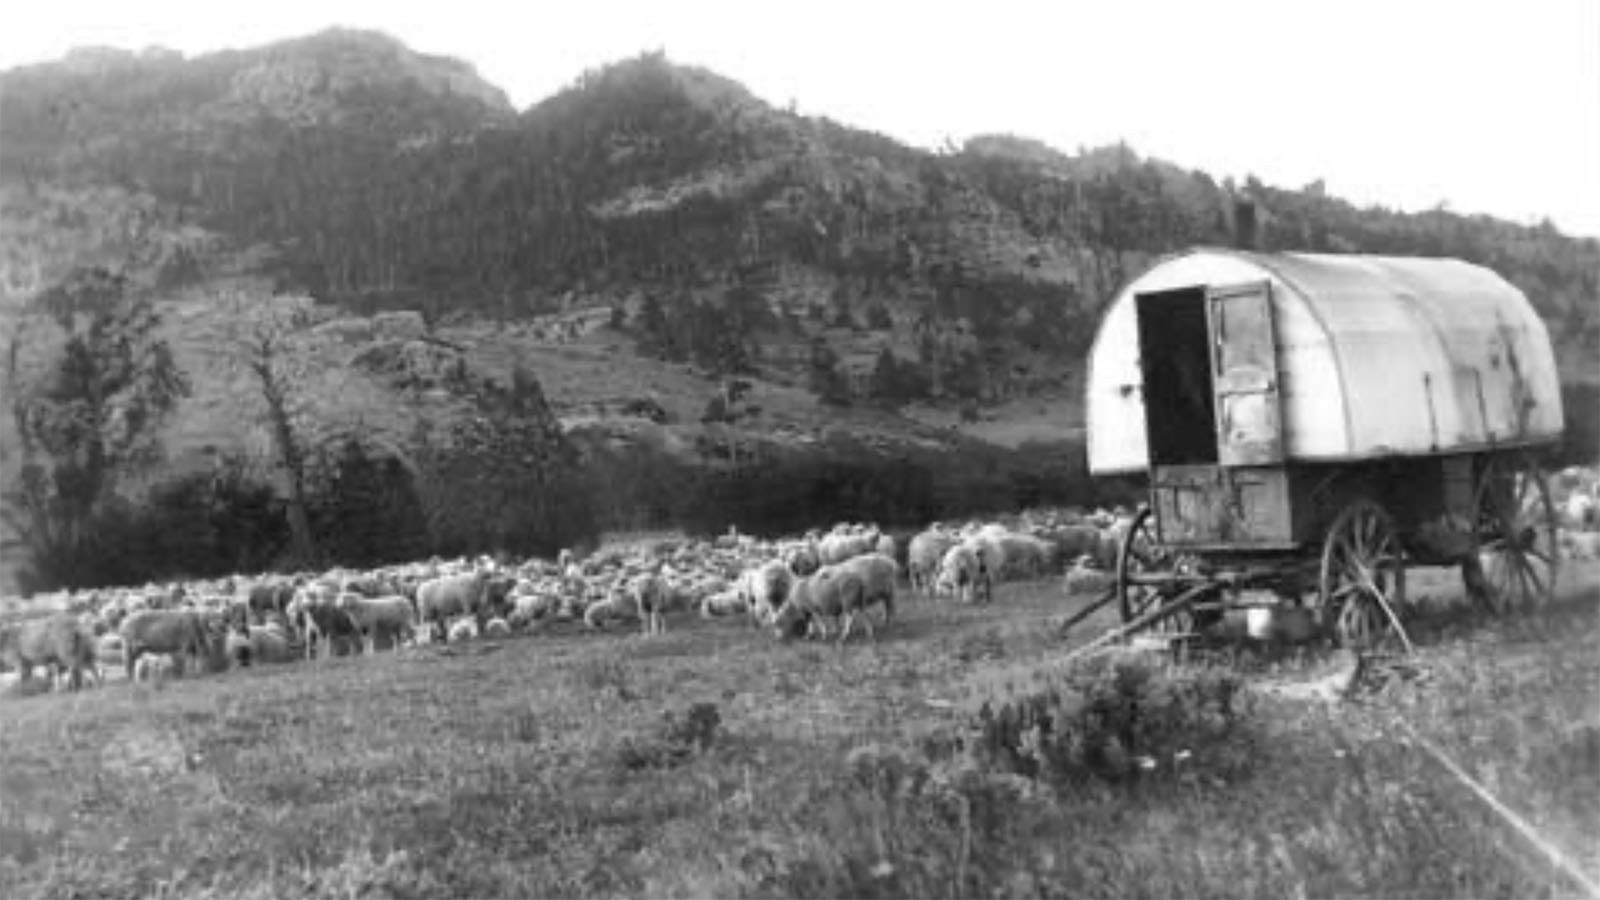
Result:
[{"x": 1350, "y": 585}]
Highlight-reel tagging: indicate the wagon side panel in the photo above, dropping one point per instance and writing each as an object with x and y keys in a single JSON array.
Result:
[{"x": 1206, "y": 507}]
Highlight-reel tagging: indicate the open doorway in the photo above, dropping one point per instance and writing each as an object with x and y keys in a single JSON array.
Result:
[{"x": 1175, "y": 359}]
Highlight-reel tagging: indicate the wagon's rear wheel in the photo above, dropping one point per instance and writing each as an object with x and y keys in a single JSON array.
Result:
[
  {"x": 1142, "y": 554},
  {"x": 1363, "y": 577},
  {"x": 1518, "y": 545}
]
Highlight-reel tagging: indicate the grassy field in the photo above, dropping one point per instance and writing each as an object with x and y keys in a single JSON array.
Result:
[{"x": 712, "y": 762}]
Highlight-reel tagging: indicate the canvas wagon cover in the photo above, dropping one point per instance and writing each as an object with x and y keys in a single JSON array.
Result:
[{"x": 1377, "y": 356}]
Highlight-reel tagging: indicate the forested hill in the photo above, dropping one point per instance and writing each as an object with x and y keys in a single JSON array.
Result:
[{"x": 720, "y": 228}]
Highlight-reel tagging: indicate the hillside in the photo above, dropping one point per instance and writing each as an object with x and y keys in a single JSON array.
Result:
[{"x": 653, "y": 237}]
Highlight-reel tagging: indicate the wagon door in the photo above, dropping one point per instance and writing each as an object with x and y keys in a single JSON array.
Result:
[{"x": 1244, "y": 366}]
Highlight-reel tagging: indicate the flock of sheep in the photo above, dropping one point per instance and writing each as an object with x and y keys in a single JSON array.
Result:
[
  {"x": 819, "y": 585},
  {"x": 823, "y": 585}
]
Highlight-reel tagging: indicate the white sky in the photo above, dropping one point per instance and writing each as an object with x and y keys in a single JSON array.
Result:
[{"x": 1487, "y": 106}]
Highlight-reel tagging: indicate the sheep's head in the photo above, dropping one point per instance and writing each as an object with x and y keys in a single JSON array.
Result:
[{"x": 790, "y": 622}]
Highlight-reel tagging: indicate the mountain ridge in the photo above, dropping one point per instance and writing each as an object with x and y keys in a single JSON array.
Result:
[{"x": 653, "y": 204}]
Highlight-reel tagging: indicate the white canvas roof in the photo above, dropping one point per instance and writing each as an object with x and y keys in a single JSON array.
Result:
[{"x": 1377, "y": 356}]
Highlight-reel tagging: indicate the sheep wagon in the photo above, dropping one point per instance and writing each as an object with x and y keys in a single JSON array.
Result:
[{"x": 1308, "y": 426}]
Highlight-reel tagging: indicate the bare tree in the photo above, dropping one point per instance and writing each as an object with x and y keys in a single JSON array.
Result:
[
  {"x": 263, "y": 344},
  {"x": 305, "y": 391}
]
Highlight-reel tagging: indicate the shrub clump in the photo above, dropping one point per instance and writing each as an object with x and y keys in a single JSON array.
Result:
[
  {"x": 676, "y": 739},
  {"x": 958, "y": 814},
  {"x": 1117, "y": 721}
]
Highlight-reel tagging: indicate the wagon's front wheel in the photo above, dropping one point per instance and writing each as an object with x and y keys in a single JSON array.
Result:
[
  {"x": 1363, "y": 577},
  {"x": 1518, "y": 545},
  {"x": 1141, "y": 559}
]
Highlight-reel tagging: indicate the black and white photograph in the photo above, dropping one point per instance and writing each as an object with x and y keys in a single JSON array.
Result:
[{"x": 875, "y": 449}]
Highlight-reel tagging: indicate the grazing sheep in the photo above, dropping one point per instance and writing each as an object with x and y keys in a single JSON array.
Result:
[
  {"x": 497, "y": 596},
  {"x": 326, "y": 626},
  {"x": 1580, "y": 544},
  {"x": 109, "y": 650},
  {"x": 764, "y": 589},
  {"x": 369, "y": 585},
  {"x": 60, "y": 641},
  {"x": 375, "y": 618},
  {"x": 180, "y": 633},
  {"x": 1023, "y": 555},
  {"x": 962, "y": 574},
  {"x": 268, "y": 597},
  {"x": 803, "y": 559},
  {"x": 237, "y": 645},
  {"x": 651, "y": 595},
  {"x": 464, "y": 628},
  {"x": 923, "y": 557},
  {"x": 879, "y": 574},
  {"x": 497, "y": 628},
  {"x": 1581, "y": 511},
  {"x": 619, "y": 604},
  {"x": 527, "y": 609},
  {"x": 155, "y": 667},
  {"x": 446, "y": 597},
  {"x": 838, "y": 547},
  {"x": 258, "y": 644},
  {"x": 839, "y": 593},
  {"x": 1076, "y": 541},
  {"x": 886, "y": 545},
  {"x": 729, "y": 602},
  {"x": 1084, "y": 577},
  {"x": 991, "y": 562}
]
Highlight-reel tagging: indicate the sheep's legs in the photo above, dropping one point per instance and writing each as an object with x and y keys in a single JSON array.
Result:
[
  {"x": 866, "y": 622},
  {"x": 820, "y": 626}
]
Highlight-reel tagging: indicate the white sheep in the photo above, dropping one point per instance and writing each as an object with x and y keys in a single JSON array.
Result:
[
  {"x": 528, "y": 608},
  {"x": 844, "y": 543},
  {"x": 154, "y": 667},
  {"x": 1580, "y": 545},
  {"x": 1581, "y": 511},
  {"x": 652, "y": 596},
  {"x": 764, "y": 589},
  {"x": 379, "y": 617},
  {"x": 618, "y": 604},
  {"x": 837, "y": 592},
  {"x": 962, "y": 573},
  {"x": 879, "y": 573},
  {"x": 727, "y": 602},
  {"x": 464, "y": 628},
  {"x": 923, "y": 557},
  {"x": 1085, "y": 577}
]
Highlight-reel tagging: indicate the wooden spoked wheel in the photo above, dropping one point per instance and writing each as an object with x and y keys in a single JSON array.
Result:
[
  {"x": 1363, "y": 572},
  {"x": 1142, "y": 554},
  {"x": 1518, "y": 545}
]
